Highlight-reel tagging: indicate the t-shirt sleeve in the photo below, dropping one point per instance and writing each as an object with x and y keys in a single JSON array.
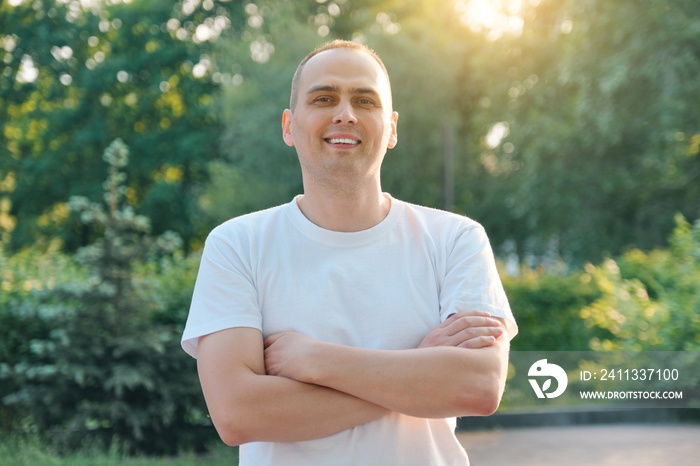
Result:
[
  {"x": 224, "y": 295},
  {"x": 472, "y": 281}
]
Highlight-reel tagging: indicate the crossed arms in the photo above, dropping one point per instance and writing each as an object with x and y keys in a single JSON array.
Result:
[{"x": 291, "y": 388}]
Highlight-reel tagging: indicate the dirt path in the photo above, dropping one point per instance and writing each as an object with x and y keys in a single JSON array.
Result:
[{"x": 609, "y": 445}]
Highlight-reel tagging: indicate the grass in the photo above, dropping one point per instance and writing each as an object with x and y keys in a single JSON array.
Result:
[{"x": 21, "y": 451}]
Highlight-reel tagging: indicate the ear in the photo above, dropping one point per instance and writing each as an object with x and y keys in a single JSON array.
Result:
[
  {"x": 394, "y": 137},
  {"x": 287, "y": 128}
]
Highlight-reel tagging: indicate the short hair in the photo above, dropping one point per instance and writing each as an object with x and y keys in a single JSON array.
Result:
[{"x": 334, "y": 44}]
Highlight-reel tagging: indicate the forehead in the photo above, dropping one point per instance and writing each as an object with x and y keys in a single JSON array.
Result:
[{"x": 343, "y": 67}]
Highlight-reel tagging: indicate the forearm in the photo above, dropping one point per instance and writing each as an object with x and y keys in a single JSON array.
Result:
[
  {"x": 424, "y": 382},
  {"x": 246, "y": 405},
  {"x": 427, "y": 382},
  {"x": 277, "y": 409}
]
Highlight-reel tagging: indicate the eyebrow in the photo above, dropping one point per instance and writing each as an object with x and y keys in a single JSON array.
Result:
[{"x": 336, "y": 89}]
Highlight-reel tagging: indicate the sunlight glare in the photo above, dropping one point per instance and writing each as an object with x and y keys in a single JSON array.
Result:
[
  {"x": 496, "y": 18},
  {"x": 28, "y": 72},
  {"x": 496, "y": 134}
]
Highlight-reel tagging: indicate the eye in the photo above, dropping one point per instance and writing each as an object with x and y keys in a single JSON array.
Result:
[
  {"x": 366, "y": 102},
  {"x": 323, "y": 99}
]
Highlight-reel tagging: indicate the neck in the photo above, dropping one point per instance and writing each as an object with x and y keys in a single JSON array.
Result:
[{"x": 345, "y": 211}]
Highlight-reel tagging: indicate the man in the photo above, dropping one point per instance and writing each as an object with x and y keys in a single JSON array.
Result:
[{"x": 347, "y": 327}]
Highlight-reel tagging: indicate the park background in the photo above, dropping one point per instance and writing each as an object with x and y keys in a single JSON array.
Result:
[{"x": 569, "y": 129}]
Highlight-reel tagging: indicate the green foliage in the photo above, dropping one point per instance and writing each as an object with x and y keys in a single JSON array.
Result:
[
  {"x": 650, "y": 301},
  {"x": 94, "y": 358},
  {"x": 547, "y": 306},
  {"x": 596, "y": 97},
  {"x": 167, "y": 284},
  {"x": 638, "y": 302},
  {"x": 76, "y": 77},
  {"x": 24, "y": 276},
  {"x": 125, "y": 383},
  {"x": 17, "y": 450}
]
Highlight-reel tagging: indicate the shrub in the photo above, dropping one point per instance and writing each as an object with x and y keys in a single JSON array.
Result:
[
  {"x": 650, "y": 300},
  {"x": 23, "y": 320},
  {"x": 546, "y": 307},
  {"x": 99, "y": 359}
]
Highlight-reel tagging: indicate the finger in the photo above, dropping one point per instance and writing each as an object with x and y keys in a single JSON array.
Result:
[
  {"x": 475, "y": 333},
  {"x": 461, "y": 314},
  {"x": 478, "y": 342},
  {"x": 270, "y": 366},
  {"x": 272, "y": 338},
  {"x": 470, "y": 322}
]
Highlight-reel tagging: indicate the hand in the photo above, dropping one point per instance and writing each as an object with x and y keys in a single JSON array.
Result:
[
  {"x": 467, "y": 329},
  {"x": 286, "y": 355}
]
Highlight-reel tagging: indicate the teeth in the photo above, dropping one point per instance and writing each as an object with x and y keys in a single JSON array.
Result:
[{"x": 343, "y": 141}]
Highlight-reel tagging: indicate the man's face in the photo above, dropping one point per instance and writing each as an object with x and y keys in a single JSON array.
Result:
[{"x": 343, "y": 123}]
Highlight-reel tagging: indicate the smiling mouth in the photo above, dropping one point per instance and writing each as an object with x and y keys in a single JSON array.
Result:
[{"x": 350, "y": 142}]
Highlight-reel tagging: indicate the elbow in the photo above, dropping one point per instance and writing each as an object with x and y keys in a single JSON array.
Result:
[
  {"x": 231, "y": 437},
  {"x": 487, "y": 404},
  {"x": 481, "y": 401},
  {"x": 489, "y": 398},
  {"x": 481, "y": 394},
  {"x": 231, "y": 433}
]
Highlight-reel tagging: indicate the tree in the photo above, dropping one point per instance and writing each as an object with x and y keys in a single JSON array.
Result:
[
  {"x": 76, "y": 77},
  {"x": 102, "y": 366},
  {"x": 599, "y": 156}
]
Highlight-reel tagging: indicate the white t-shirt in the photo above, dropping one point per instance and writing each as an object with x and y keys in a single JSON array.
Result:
[{"x": 381, "y": 288}]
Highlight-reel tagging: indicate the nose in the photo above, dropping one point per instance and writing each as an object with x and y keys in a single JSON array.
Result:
[{"x": 344, "y": 114}]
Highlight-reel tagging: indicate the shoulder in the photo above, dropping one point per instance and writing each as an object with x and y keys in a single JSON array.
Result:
[
  {"x": 249, "y": 224},
  {"x": 446, "y": 231},
  {"x": 242, "y": 236},
  {"x": 437, "y": 219}
]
